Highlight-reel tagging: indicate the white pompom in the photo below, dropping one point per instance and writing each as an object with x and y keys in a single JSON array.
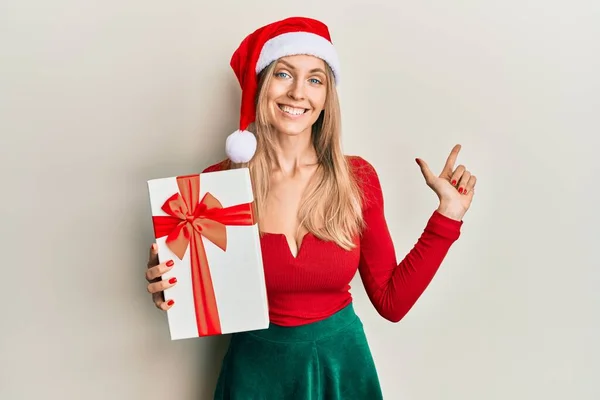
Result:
[{"x": 240, "y": 146}]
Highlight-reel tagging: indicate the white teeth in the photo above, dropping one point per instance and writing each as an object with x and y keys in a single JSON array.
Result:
[{"x": 292, "y": 110}]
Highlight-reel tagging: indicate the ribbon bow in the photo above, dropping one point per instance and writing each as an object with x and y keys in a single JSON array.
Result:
[{"x": 187, "y": 221}]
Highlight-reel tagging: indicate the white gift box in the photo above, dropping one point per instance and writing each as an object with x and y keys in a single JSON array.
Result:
[{"x": 205, "y": 224}]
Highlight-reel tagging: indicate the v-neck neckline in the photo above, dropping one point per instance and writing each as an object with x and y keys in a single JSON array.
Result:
[{"x": 283, "y": 237}]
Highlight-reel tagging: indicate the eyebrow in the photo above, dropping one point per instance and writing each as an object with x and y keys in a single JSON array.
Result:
[{"x": 311, "y": 71}]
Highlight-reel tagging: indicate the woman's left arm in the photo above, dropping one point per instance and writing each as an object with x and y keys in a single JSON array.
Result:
[{"x": 394, "y": 287}]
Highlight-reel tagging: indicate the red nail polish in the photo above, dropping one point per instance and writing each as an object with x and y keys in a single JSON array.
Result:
[
  {"x": 460, "y": 190},
  {"x": 172, "y": 280},
  {"x": 170, "y": 302},
  {"x": 454, "y": 182},
  {"x": 170, "y": 263}
]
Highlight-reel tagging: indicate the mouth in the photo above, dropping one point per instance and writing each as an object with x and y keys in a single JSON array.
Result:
[{"x": 292, "y": 111}]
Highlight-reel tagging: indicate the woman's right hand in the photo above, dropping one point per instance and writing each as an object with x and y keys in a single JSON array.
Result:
[{"x": 156, "y": 285}]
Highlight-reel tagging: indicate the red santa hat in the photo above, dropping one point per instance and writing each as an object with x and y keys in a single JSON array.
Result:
[{"x": 291, "y": 36}]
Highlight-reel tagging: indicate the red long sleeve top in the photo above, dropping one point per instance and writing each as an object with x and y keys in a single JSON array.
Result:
[{"x": 316, "y": 283}]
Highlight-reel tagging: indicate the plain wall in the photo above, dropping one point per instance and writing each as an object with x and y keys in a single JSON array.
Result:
[{"x": 98, "y": 97}]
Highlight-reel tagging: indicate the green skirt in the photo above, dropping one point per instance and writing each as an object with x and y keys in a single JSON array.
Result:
[{"x": 325, "y": 360}]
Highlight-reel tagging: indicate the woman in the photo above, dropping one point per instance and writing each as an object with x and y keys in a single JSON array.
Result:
[{"x": 322, "y": 219}]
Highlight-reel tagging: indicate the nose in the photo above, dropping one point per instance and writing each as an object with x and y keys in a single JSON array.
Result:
[{"x": 297, "y": 91}]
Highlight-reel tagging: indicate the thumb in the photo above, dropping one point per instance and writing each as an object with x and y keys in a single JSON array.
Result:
[
  {"x": 427, "y": 174},
  {"x": 153, "y": 256}
]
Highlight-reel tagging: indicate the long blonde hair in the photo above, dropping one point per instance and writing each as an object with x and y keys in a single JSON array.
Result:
[{"x": 331, "y": 208}]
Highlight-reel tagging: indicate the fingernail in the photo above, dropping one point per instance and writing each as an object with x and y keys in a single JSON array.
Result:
[
  {"x": 170, "y": 263},
  {"x": 460, "y": 190},
  {"x": 170, "y": 302},
  {"x": 173, "y": 280},
  {"x": 454, "y": 182}
]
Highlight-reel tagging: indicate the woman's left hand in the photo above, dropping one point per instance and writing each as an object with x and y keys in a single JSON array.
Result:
[{"x": 454, "y": 186}]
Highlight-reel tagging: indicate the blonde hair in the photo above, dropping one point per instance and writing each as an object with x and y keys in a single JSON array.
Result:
[{"x": 331, "y": 208}]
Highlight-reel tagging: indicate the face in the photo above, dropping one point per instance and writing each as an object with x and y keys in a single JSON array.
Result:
[{"x": 296, "y": 94}]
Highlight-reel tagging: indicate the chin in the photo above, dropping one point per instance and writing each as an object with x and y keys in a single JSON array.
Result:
[{"x": 292, "y": 130}]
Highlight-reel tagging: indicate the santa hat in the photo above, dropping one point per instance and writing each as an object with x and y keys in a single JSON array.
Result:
[{"x": 291, "y": 36}]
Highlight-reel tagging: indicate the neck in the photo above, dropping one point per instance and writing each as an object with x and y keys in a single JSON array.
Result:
[{"x": 295, "y": 152}]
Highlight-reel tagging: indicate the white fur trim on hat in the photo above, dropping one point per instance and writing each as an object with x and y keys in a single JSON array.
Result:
[
  {"x": 294, "y": 43},
  {"x": 240, "y": 146}
]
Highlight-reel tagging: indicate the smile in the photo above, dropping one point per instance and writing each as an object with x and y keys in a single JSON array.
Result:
[{"x": 292, "y": 110}]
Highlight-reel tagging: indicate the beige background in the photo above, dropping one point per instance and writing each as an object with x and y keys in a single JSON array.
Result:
[{"x": 98, "y": 97}]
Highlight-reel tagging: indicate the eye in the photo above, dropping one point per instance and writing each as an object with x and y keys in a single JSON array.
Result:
[
  {"x": 315, "y": 81},
  {"x": 281, "y": 75}
]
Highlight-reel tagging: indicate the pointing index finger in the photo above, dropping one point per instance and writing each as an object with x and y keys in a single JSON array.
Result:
[{"x": 451, "y": 160}]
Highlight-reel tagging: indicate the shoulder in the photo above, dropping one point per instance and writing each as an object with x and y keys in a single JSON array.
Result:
[
  {"x": 220, "y": 166},
  {"x": 362, "y": 170},
  {"x": 361, "y": 167},
  {"x": 367, "y": 179}
]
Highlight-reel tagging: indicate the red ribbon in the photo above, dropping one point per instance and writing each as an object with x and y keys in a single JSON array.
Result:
[{"x": 188, "y": 220}]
